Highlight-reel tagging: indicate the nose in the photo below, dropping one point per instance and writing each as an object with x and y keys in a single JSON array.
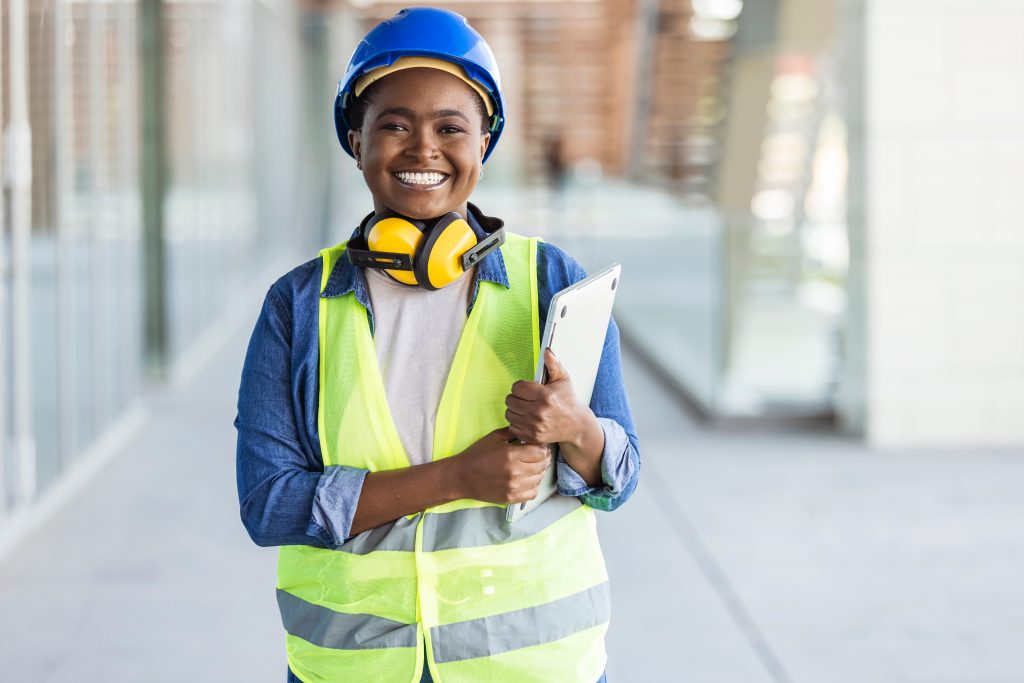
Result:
[{"x": 422, "y": 144}]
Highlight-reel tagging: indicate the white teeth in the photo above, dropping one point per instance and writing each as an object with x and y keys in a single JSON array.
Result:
[{"x": 420, "y": 178}]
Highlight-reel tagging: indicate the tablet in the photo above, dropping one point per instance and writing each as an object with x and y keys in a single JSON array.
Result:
[{"x": 575, "y": 331}]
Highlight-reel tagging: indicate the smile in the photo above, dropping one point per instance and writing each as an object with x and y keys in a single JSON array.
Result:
[{"x": 421, "y": 181}]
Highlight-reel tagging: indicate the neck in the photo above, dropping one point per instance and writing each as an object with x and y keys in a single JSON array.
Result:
[{"x": 462, "y": 210}]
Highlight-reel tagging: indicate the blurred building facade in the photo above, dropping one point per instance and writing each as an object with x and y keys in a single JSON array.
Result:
[{"x": 815, "y": 210}]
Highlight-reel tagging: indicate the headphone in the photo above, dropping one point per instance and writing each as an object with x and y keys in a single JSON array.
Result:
[{"x": 429, "y": 253}]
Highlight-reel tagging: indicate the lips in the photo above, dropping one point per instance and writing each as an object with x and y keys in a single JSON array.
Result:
[{"x": 420, "y": 179}]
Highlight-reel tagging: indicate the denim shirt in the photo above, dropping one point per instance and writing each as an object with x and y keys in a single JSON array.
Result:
[{"x": 287, "y": 496}]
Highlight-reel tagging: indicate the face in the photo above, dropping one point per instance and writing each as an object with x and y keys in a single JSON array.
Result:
[{"x": 421, "y": 144}]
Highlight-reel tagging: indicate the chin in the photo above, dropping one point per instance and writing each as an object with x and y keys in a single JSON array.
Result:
[{"x": 422, "y": 211}]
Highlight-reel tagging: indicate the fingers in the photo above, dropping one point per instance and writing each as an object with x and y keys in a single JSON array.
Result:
[
  {"x": 519, "y": 406},
  {"x": 531, "y": 453},
  {"x": 526, "y": 494},
  {"x": 524, "y": 431},
  {"x": 523, "y": 428},
  {"x": 497, "y": 470},
  {"x": 521, "y": 477},
  {"x": 525, "y": 418},
  {"x": 528, "y": 488},
  {"x": 528, "y": 391}
]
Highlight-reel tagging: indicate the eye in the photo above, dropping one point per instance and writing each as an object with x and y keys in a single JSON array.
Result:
[
  {"x": 451, "y": 130},
  {"x": 392, "y": 126}
]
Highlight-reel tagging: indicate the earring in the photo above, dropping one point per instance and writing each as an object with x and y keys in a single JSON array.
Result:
[
  {"x": 359, "y": 164},
  {"x": 481, "y": 174}
]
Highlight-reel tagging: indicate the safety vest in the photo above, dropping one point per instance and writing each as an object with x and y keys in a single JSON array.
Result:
[{"x": 484, "y": 600}]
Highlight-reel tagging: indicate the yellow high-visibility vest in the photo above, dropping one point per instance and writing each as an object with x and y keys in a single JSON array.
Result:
[{"x": 486, "y": 601}]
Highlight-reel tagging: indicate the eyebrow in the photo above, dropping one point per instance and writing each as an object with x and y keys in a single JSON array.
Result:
[{"x": 409, "y": 113}]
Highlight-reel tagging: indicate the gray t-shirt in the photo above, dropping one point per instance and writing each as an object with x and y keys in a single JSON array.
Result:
[{"x": 415, "y": 333}]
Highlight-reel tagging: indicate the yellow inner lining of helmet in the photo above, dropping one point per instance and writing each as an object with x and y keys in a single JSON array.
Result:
[{"x": 364, "y": 81}]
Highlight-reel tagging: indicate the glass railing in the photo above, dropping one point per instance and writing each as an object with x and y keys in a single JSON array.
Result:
[
  {"x": 743, "y": 320},
  {"x": 228, "y": 214}
]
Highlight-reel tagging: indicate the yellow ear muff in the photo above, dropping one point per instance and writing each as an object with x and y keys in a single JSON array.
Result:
[
  {"x": 440, "y": 259},
  {"x": 396, "y": 235}
]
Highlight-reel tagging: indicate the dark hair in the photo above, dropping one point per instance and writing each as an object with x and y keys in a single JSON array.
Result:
[{"x": 356, "y": 112}]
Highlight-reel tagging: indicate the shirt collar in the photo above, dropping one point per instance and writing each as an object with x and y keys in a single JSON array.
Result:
[
  {"x": 492, "y": 267},
  {"x": 346, "y": 278}
]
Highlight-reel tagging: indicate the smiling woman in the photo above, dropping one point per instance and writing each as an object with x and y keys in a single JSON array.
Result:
[{"x": 386, "y": 417}]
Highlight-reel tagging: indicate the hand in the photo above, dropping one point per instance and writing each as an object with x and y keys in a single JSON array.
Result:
[
  {"x": 546, "y": 413},
  {"x": 498, "y": 469}
]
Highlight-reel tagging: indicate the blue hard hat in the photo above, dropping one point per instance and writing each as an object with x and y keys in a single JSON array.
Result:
[{"x": 423, "y": 32}]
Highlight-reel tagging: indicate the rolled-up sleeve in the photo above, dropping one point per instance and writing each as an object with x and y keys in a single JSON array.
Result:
[
  {"x": 619, "y": 463},
  {"x": 334, "y": 505},
  {"x": 285, "y": 495}
]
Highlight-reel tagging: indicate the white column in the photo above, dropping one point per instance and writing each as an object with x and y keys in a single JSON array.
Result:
[{"x": 937, "y": 222}]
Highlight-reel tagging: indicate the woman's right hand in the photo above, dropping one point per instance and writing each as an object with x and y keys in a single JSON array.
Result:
[{"x": 498, "y": 468}]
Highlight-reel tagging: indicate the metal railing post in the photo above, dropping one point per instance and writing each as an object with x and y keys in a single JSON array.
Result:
[
  {"x": 3, "y": 314},
  {"x": 154, "y": 177},
  {"x": 18, "y": 138},
  {"x": 644, "y": 37},
  {"x": 66, "y": 418},
  {"x": 99, "y": 266}
]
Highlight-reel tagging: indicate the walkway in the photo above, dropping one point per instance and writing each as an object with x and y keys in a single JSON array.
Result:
[{"x": 743, "y": 558}]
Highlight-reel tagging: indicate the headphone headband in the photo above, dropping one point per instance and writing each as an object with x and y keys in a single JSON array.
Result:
[
  {"x": 384, "y": 260},
  {"x": 483, "y": 248}
]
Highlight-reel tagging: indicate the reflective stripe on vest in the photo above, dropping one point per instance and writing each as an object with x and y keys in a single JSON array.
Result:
[
  {"x": 452, "y": 642},
  {"x": 526, "y": 627},
  {"x": 482, "y": 599},
  {"x": 466, "y": 528},
  {"x": 339, "y": 631}
]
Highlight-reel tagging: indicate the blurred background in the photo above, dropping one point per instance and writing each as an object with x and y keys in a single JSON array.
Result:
[{"x": 816, "y": 206}]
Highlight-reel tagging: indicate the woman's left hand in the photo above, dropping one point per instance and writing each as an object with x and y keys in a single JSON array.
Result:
[{"x": 546, "y": 413}]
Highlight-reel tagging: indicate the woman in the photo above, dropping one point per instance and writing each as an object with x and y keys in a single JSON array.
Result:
[{"x": 385, "y": 415}]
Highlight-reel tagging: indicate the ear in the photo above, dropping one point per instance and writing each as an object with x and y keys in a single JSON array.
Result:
[
  {"x": 355, "y": 143},
  {"x": 485, "y": 140}
]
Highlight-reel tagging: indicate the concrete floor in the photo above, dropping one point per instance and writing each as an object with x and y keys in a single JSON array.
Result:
[
  {"x": 743, "y": 557},
  {"x": 805, "y": 557}
]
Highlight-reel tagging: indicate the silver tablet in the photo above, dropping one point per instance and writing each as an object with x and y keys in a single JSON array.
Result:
[{"x": 575, "y": 331}]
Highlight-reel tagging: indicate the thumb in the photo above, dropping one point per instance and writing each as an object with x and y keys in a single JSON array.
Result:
[{"x": 556, "y": 371}]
